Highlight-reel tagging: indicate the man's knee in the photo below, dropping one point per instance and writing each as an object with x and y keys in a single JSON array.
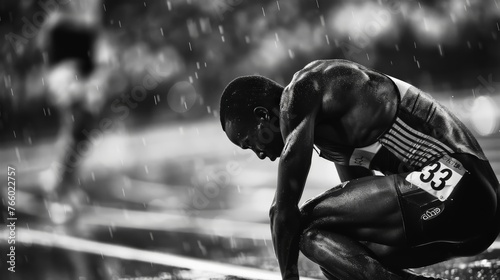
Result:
[{"x": 309, "y": 240}]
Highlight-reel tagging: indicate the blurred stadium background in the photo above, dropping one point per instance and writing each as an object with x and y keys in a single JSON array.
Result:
[{"x": 165, "y": 187}]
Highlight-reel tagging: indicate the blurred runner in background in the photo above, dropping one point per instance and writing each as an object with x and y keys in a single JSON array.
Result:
[
  {"x": 76, "y": 82},
  {"x": 437, "y": 201}
]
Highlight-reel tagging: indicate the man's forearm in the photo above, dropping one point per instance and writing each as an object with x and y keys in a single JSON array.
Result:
[{"x": 286, "y": 236}]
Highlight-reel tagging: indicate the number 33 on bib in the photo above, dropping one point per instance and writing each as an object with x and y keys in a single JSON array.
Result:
[{"x": 439, "y": 178}]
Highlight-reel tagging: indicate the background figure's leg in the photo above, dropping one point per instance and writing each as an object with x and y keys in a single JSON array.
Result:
[
  {"x": 342, "y": 257},
  {"x": 77, "y": 145},
  {"x": 67, "y": 196}
]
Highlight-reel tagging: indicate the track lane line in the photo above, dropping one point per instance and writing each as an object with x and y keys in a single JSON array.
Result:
[{"x": 121, "y": 252}]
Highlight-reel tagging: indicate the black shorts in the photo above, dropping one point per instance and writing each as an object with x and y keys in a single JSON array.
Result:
[{"x": 468, "y": 217}]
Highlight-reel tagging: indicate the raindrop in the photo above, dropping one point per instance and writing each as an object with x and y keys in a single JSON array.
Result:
[
  {"x": 146, "y": 169},
  {"x": 202, "y": 248},
  {"x": 161, "y": 31},
  {"x": 263, "y": 12},
  {"x": 169, "y": 5},
  {"x": 278, "y": 4},
  {"x": 327, "y": 40},
  {"x": 232, "y": 242},
  {"x": 440, "y": 50},
  {"x": 151, "y": 236},
  {"x": 104, "y": 6}
]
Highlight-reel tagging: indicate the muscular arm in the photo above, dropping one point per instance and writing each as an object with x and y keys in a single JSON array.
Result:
[{"x": 294, "y": 165}]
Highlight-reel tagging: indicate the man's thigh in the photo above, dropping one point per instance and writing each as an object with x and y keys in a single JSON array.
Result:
[
  {"x": 368, "y": 210},
  {"x": 364, "y": 209},
  {"x": 412, "y": 257}
]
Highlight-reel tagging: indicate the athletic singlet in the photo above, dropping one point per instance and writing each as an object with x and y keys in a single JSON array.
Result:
[{"x": 422, "y": 132}]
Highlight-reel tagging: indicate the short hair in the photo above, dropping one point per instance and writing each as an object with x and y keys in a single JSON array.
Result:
[{"x": 245, "y": 93}]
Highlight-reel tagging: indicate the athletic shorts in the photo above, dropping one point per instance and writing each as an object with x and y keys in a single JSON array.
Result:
[{"x": 453, "y": 199}]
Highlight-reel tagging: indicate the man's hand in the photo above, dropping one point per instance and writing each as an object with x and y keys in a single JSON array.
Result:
[{"x": 286, "y": 224}]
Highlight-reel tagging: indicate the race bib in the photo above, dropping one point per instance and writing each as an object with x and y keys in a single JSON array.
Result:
[{"x": 440, "y": 178}]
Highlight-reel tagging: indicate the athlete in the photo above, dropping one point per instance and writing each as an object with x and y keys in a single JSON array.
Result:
[
  {"x": 77, "y": 85},
  {"x": 437, "y": 200}
]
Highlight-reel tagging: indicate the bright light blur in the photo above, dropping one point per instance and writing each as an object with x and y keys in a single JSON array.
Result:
[{"x": 484, "y": 115}]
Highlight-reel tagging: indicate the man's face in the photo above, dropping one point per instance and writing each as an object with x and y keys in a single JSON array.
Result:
[{"x": 261, "y": 136}]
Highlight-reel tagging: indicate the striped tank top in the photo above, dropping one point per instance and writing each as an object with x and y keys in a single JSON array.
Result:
[{"x": 423, "y": 131}]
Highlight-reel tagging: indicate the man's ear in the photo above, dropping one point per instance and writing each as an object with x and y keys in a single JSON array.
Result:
[{"x": 261, "y": 113}]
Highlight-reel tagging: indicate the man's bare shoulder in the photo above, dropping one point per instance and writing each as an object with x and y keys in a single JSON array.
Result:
[
  {"x": 323, "y": 73},
  {"x": 322, "y": 80}
]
